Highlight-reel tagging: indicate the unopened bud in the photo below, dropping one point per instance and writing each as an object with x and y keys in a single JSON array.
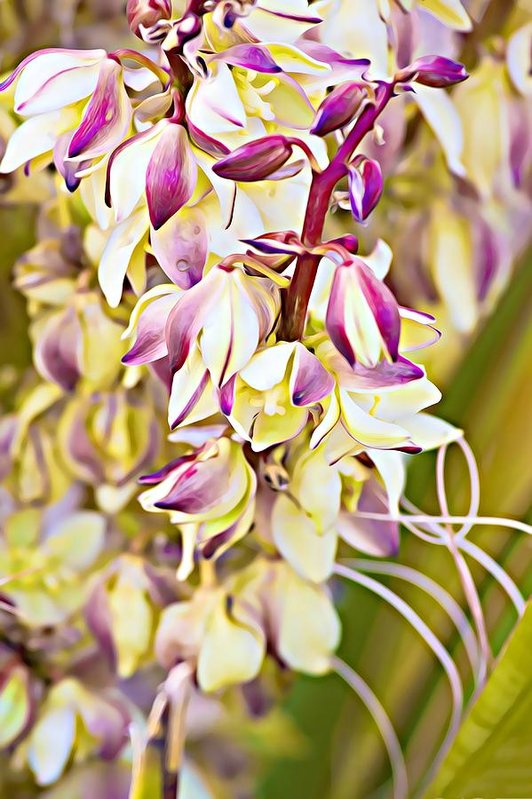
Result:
[
  {"x": 257, "y": 160},
  {"x": 146, "y": 13},
  {"x": 365, "y": 186},
  {"x": 338, "y": 108},
  {"x": 433, "y": 70}
]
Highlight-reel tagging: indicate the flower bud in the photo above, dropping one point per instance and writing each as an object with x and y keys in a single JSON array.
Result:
[
  {"x": 338, "y": 108},
  {"x": 146, "y": 13},
  {"x": 365, "y": 186},
  {"x": 257, "y": 160},
  {"x": 435, "y": 71}
]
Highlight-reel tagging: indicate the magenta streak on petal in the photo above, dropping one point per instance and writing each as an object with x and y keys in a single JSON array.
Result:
[
  {"x": 150, "y": 344},
  {"x": 171, "y": 175},
  {"x": 321, "y": 52},
  {"x": 383, "y": 306},
  {"x": 166, "y": 470},
  {"x": 186, "y": 320},
  {"x": 284, "y": 242},
  {"x": 294, "y": 17},
  {"x": 417, "y": 316},
  {"x": 207, "y": 143},
  {"x": 310, "y": 381},
  {"x": 335, "y": 317},
  {"x": 67, "y": 169},
  {"x": 198, "y": 488},
  {"x": 249, "y": 56},
  {"x": 106, "y": 116},
  {"x": 288, "y": 170},
  {"x": 365, "y": 187},
  {"x": 227, "y": 396},
  {"x": 383, "y": 375},
  {"x": 194, "y": 399}
]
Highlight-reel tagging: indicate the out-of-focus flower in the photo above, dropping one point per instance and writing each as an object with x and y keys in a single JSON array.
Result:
[
  {"x": 16, "y": 700},
  {"x": 223, "y": 631},
  {"x": 273, "y": 396},
  {"x": 122, "y": 592},
  {"x": 73, "y": 722},
  {"x": 143, "y": 14},
  {"x": 42, "y": 556},
  {"x": 209, "y": 494},
  {"x": 107, "y": 439}
]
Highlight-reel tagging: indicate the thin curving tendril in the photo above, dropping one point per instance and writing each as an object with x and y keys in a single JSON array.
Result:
[
  {"x": 386, "y": 729},
  {"x": 429, "y": 637}
]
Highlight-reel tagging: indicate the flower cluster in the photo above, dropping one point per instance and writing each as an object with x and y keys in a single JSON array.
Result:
[{"x": 199, "y": 326}]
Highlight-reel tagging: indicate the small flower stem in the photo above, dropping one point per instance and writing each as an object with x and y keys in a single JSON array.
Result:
[{"x": 297, "y": 296}]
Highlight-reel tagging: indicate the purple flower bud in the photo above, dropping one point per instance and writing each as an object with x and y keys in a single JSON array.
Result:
[
  {"x": 257, "y": 160},
  {"x": 365, "y": 186},
  {"x": 435, "y": 71},
  {"x": 338, "y": 108},
  {"x": 171, "y": 175},
  {"x": 147, "y": 13}
]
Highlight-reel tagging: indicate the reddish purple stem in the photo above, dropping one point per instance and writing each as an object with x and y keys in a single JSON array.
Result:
[{"x": 296, "y": 298}]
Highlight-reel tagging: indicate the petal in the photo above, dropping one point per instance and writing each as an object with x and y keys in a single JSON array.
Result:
[
  {"x": 50, "y": 79},
  {"x": 193, "y": 397},
  {"x": 450, "y": 12},
  {"x": 214, "y": 105},
  {"x": 369, "y": 430},
  {"x": 117, "y": 255},
  {"x": 36, "y": 136},
  {"x": 171, "y": 175},
  {"x": 188, "y": 317},
  {"x": 250, "y": 56},
  {"x": 442, "y": 116},
  {"x": 181, "y": 246},
  {"x": 310, "y": 382},
  {"x": 384, "y": 307},
  {"x": 374, "y": 537},
  {"x": 268, "y": 367},
  {"x": 50, "y": 744},
  {"x": 150, "y": 343},
  {"x": 232, "y": 650},
  {"x": 256, "y": 160},
  {"x": 365, "y": 187},
  {"x": 310, "y": 554},
  {"x": 107, "y": 117},
  {"x": 127, "y": 168},
  {"x": 270, "y": 430}
]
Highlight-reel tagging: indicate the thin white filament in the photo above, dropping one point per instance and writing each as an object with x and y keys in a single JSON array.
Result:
[
  {"x": 438, "y": 593},
  {"x": 466, "y": 578},
  {"x": 429, "y": 637},
  {"x": 497, "y": 572},
  {"x": 427, "y": 519},
  {"x": 389, "y": 736}
]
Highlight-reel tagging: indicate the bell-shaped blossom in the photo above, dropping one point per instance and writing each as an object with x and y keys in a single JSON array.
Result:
[
  {"x": 363, "y": 317},
  {"x": 339, "y": 108},
  {"x": 375, "y": 408},
  {"x": 73, "y": 722},
  {"x": 365, "y": 186},
  {"x": 227, "y": 315},
  {"x": 209, "y": 493},
  {"x": 218, "y": 631},
  {"x": 272, "y": 397},
  {"x": 49, "y": 88}
]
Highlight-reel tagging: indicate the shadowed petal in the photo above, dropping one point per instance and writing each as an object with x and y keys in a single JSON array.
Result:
[
  {"x": 181, "y": 245},
  {"x": 310, "y": 381}
]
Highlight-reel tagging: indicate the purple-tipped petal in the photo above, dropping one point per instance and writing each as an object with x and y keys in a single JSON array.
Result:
[
  {"x": 310, "y": 382},
  {"x": 227, "y": 396},
  {"x": 150, "y": 344},
  {"x": 383, "y": 375},
  {"x": 67, "y": 169},
  {"x": 107, "y": 117},
  {"x": 284, "y": 242},
  {"x": 257, "y": 160},
  {"x": 384, "y": 308},
  {"x": 365, "y": 187},
  {"x": 57, "y": 350},
  {"x": 249, "y": 56},
  {"x": 338, "y": 108},
  {"x": 435, "y": 71},
  {"x": 166, "y": 470},
  {"x": 186, "y": 320},
  {"x": 171, "y": 175},
  {"x": 207, "y": 143},
  {"x": 198, "y": 487},
  {"x": 335, "y": 317}
]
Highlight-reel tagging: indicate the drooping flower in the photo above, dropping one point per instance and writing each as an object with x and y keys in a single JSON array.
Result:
[
  {"x": 272, "y": 397},
  {"x": 209, "y": 493}
]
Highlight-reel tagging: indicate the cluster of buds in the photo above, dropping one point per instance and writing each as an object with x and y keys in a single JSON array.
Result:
[{"x": 184, "y": 281}]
